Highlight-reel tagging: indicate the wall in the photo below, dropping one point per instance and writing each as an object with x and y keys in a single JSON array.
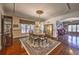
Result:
[
  {"x": 16, "y": 30},
  {"x": 66, "y": 17}
]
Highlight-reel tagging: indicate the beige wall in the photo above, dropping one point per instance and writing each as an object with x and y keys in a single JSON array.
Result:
[{"x": 16, "y": 30}]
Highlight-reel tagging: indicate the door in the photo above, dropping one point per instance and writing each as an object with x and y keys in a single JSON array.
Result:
[{"x": 6, "y": 31}]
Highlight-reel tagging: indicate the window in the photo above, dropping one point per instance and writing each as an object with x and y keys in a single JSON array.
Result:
[
  {"x": 77, "y": 28},
  {"x": 28, "y": 28},
  {"x": 69, "y": 28},
  {"x": 73, "y": 28},
  {"x": 32, "y": 28},
  {"x": 25, "y": 28}
]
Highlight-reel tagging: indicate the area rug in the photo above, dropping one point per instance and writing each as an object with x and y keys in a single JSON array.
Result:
[{"x": 44, "y": 49}]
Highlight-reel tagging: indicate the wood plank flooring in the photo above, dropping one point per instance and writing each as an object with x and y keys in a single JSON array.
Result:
[
  {"x": 15, "y": 49},
  {"x": 62, "y": 49}
]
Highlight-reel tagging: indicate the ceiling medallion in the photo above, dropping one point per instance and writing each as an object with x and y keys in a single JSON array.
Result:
[{"x": 39, "y": 12}]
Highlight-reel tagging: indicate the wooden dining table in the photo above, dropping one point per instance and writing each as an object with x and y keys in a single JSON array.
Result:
[{"x": 39, "y": 37}]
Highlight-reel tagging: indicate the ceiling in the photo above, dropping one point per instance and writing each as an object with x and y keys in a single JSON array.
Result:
[{"x": 28, "y": 10}]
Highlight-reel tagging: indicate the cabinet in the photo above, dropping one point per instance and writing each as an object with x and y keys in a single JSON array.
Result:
[{"x": 6, "y": 31}]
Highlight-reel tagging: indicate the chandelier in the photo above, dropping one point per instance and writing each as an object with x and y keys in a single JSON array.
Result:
[
  {"x": 37, "y": 23},
  {"x": 39, "y": 12}
]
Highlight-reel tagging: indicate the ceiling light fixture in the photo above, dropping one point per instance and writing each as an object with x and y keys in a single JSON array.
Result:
[
  {"x": 37, "y": 23},
  {"x": 39, "y": 12}
]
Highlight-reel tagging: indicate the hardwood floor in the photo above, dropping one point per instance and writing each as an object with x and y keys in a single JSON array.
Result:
[
  {"x": 71, "y": 44},
  {"x": 15, "y": 49},
  {"x": 58, "y": 51},
  {"x": 63, "y": 49}
]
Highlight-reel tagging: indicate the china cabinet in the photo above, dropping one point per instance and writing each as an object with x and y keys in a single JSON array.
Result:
[{"x": 6, "y": 31}]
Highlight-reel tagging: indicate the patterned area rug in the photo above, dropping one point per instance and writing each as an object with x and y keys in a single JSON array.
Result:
[{"x": 36, "y": 49}]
